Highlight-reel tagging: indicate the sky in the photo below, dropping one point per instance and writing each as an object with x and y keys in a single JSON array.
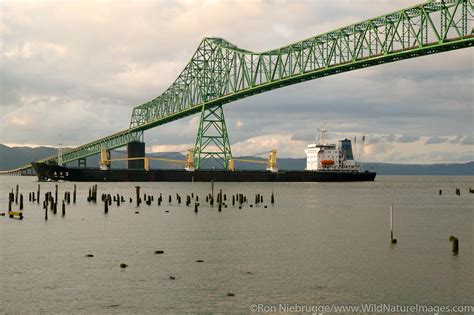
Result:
[{"x": 71, "y": 72}]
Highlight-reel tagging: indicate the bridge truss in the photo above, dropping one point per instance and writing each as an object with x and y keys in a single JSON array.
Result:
[{"x": 220, "y": 72}]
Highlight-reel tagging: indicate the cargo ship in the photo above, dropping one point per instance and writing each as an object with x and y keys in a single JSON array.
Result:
[{"x": 324, "y": 163}]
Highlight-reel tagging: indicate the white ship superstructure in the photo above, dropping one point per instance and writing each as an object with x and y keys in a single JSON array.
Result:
[{"x": 322, "y": 156}]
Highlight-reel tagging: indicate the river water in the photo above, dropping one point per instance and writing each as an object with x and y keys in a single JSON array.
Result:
[{"x": 319, "y": 244}]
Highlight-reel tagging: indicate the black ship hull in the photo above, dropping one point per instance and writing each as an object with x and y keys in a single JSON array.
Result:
[{"x": 47, "y": 172}]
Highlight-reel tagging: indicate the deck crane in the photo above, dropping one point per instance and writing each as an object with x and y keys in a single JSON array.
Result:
[
  {"x": 188, "y": 162},
  {"x": 271, "y": 163},
  {"x": 105, "y": 161}
]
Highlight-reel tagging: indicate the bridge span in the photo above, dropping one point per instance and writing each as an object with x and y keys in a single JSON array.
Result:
[{"x": 220, "y": 72}]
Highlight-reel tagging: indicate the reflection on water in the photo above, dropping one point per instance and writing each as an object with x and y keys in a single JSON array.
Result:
[{"x": 321, "y": 243}]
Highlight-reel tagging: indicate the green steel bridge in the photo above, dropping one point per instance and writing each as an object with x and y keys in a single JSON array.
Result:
[{"x": 220, "y": 72}]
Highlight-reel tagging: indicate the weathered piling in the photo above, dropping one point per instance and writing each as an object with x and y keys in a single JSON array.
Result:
[
  {"x": 45, "y": 212},
  {"x": 16, "y": 194},
  {"x": 56, "y": 193},
  {"x": 55, "y": 210},
  {"x": 454, "y": 244},
  {"x": 392, "y": 240},
  {"x": 106, "y": 205},
  {"x": 38, "y": 193},
  {"x": 10, "y": 203},
  {"x": 233, "y": 200},
  {"x": 63, "y": 209},
  {"x": 137, "y": 190},
  {"x": 458, "y": 191},
  {"x": 440, "y": 192},
  {"x": 212, "y": 190},
  {"x": 21, "y": 201},
  {"x": 74, "y": 195},
  {"x": 169, "y": 198},
  {"x": 29, "y": 197},
  {"x": 272, "y": 198}
]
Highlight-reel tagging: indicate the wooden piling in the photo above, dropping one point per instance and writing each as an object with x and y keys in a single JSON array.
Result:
[
  {"x": 454, "y": 245},
  {"x": 212, "y": 189},
  {"x": 106, "y": 206},
  {"x": 195, "y": 207},
  {"x": 16, "y": 194},
  {"x": 21, "y": 201},
  {"x": 38, "y": 193},
  {"x": 63, "y": 209},
  {"x": 56, "y": 193},
  {"x": 392, "y": 240},
  {"x": 74, "y": 195},
  {"x": 137, "y": 190}
]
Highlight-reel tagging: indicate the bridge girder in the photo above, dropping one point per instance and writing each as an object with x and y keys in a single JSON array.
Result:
[{"x": 220, "y": 72}]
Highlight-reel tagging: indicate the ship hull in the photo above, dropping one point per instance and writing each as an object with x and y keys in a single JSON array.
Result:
[{"x": 47, "y": 172}]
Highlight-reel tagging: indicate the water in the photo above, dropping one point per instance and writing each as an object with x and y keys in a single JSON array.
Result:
[{"x": 321, "y": 243}]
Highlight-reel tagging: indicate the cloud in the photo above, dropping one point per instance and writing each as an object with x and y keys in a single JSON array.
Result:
[
  {"x": 75, "y": 69},
  {"x": 408, "y": 138},
  {"x": 468, "y": 140},
  {"x": 435, "y": 140}
]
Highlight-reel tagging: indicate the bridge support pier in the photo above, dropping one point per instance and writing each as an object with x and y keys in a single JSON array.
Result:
[
  {"x": 136, "y": 149},
  {"x": 212, "y": 141},
  {"x": 81, "y": 162}
]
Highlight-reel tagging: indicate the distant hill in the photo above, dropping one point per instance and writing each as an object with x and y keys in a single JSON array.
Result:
[{"x": 11, "y": 157}]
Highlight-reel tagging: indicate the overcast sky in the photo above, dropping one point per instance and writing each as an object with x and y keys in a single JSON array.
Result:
[{"x": 71, "y": 72}]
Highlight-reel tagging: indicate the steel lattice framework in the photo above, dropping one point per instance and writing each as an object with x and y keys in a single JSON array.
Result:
[{"x": 220, "y": 72}]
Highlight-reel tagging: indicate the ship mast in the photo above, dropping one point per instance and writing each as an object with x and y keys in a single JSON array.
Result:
[{"x": 322, "y": 133}]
